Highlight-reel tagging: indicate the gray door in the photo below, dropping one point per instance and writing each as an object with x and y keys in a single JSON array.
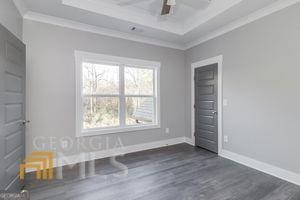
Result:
[
  {"x": 12, "y": 110},
  {"x": 206, "y": 107}
]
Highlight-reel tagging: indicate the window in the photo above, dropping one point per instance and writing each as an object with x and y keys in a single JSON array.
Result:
[{"x": 115, "y": 94}]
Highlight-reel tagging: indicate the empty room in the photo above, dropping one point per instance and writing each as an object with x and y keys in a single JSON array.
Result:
[{"x": 149, "y": 99}]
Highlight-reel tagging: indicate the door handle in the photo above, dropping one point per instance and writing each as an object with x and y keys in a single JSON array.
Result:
[
  {"x": 24, "y": 122},
  {"x": 214, "y": 112}
]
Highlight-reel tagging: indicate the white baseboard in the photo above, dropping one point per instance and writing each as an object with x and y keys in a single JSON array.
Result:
[
  {"x": 263, "y": 167},
  {"x": 250, "y": 162},
  {"x": 122, "y": 151},
  {"x": 84, "y": 157},
  {"x": 189, "y": 141}
]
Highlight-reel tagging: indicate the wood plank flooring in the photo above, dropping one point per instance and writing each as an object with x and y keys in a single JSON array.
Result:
[{"x": 179, "y": 172}]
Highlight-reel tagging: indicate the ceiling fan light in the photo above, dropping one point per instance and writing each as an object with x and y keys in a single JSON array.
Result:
[{"x": 171, "y": 3}]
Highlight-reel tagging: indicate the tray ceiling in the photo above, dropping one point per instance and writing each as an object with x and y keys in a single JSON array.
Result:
[{"x": 141, "y": 19}]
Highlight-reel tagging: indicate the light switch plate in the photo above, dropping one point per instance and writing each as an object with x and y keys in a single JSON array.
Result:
[{"x": 226, "y": 138}]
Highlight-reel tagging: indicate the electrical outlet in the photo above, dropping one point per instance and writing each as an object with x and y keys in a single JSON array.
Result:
[
  {"x": 226, "y": 138},
  {"x": 167, "y": 130}
]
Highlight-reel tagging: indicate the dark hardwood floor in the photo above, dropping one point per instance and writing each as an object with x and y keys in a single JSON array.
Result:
[{"x": 179, "y": 172}]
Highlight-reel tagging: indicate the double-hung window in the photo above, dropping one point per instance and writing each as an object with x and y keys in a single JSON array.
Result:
[{"x": 115, "y": 94}]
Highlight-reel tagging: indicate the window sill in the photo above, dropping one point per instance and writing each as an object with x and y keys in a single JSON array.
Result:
[{"x": 97, "y": 132}]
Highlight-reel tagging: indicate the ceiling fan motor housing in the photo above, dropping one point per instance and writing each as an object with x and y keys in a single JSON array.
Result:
[{"x": 171, "y": 3}]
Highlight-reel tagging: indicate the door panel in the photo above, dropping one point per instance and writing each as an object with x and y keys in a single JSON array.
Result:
[
  {"x": 13, "y": 141},
  {"x": 14, "y": 83},
  {"x": 12, "y": 110},
  {"x": 206, "y": 107}
]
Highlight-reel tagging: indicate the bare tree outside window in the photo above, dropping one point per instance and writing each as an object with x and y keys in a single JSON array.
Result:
[
  {"x": 101, "y": 91},
  {"x": 139, "y": 90},
  {"x": 114, "y": 96}
]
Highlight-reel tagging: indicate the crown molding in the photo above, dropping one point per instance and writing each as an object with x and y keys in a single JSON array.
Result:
[
  {"x": 175, "y": 27},
  {"x": 277, "y": 6},
  {"x": 189, "y": 25},
  {"x": 111, "y": 10},
  {"x": 21, "y": 6},
  {"x": 33, "y": 16},
  {"x": 212, "y": 11}
]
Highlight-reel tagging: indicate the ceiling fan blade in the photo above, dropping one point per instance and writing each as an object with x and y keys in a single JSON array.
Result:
[{"x": 166, "y": 8}]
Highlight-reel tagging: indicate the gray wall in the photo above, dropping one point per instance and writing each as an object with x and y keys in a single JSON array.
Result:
[
  {"x": 11, "y": 18},
  {"x": 51, "y": 84},
  {"x": 261, "y": 82}
]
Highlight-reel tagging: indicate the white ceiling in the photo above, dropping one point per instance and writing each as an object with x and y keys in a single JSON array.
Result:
[
  {"x": 183, "y": 10},
  {"x": 190, "y": 20}
]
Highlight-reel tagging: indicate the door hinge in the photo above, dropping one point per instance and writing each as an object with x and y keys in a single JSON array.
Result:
[{"x": 194, "y": 106}]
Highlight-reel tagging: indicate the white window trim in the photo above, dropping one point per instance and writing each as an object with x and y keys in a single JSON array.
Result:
[{"x": 81, "y": 56}]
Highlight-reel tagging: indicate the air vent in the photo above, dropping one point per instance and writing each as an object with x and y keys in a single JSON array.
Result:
[{"x": 136, "y": 29}]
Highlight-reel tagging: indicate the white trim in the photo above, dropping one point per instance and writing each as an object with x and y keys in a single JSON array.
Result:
[
  {"x": 277, "y": 6},
  {"x": 172, "y": 25},
  {"x": 219, "y": 61},
  {"x": 21, "y": 6},
  {"x": 112, "y": 130},
  {"x": 261, "y": 166},
  {"x": 286, "y": 175},
  {"x": 203, "y": 16},
  {"x": 73, "y": 159},
  {"x": 189, "y": 141},
  {"x": 94, "y": 57},
  {"x": 80, "y": 57},
  {"x": 78, "y": 84},
  {"x": 123, "y": 13},
  {"x": 33, "y": 16}
]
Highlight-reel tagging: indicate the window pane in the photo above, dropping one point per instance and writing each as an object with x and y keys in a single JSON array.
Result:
[
  {"x": 100, "y": 78},
  {"x": 138, "y": 81},
  {"x": 139, "y": 110},
  {"x": 100, "y": 112}
]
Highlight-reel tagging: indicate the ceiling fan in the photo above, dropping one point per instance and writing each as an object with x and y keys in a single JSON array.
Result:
[{"x": 167, "y": 6}]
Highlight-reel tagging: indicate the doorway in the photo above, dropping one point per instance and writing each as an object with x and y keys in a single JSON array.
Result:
[
  {"x": 12, "y": 110},
  {"x": 207, "y": 104}
]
